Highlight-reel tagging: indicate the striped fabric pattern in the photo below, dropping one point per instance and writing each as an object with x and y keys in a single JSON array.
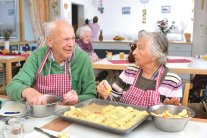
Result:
[
  {"x": 129, "y": 74},
  {"x": 139, "y": 97},
  {"x": 171, "y": 86}
]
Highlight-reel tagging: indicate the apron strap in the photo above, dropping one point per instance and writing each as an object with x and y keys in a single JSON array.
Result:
[{"x": 44, "y": 61}]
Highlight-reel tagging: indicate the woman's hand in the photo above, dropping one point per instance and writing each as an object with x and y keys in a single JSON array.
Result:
[
  {"x": 172, "y": 101},
  {"x": 70, "y": 98},
  {"x": 33, "y": 97},
  {"x": 104, "y": 89}
]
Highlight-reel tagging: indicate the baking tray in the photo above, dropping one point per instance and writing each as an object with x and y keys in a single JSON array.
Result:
[{"x": 99, "y": 126}]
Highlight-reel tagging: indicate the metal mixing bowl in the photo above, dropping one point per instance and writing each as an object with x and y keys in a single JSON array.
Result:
[
  {"x": 44, "y": 110},
  {"x": 170, "y": 124}
]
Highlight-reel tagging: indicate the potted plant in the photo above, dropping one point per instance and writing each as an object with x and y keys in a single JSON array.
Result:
[
  {"x": 6, "y": 33},
  {"x": 163, "y": 26}
]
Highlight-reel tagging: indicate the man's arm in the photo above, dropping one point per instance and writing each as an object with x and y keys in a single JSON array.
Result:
[{"x": 24, "y": 78}]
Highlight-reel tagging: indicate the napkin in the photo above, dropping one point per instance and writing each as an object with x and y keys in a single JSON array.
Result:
[
  {"x": 13, "y": 106},
  {"x": 36, "y": 134}
]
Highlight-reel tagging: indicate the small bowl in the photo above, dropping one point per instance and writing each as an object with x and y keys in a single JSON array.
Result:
[
  {"x": 44, "y": 110},
  {"x": 170, "y": 124}
]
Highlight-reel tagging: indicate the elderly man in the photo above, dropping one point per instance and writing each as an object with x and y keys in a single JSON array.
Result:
[{"x": 60, "y": 68}]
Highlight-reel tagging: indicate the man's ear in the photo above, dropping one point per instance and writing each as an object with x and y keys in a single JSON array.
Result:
[{"x": 49, "y": 42}]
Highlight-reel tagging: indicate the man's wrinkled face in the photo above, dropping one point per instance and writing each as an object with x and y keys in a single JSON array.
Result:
[{"x": 62, "y": 42}]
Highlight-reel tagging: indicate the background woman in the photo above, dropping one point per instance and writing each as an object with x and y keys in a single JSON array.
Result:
[{"x": 84, "y": 37}]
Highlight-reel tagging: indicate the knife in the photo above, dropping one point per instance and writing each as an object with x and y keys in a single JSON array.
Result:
[
  {"x": 9, "y": 113},
  {"x": 45, "y": 133}
]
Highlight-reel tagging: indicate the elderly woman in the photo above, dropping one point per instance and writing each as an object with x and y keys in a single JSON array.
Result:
[
  {"x": 150, "y": 82},
  {"x": 84, "y": 36}
]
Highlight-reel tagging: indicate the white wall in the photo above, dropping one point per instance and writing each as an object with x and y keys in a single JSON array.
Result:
[
  {"x": 130, "y": 24},
  {"x": 181, "y": 13}
]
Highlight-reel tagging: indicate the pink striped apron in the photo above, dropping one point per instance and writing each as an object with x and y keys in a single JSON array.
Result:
[
  {"x": 139, "y": 97},
  {"x": 55, "y": 84}
]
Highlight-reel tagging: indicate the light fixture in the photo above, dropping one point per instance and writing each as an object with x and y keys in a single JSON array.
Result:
[{"x": 100, "y": 6}]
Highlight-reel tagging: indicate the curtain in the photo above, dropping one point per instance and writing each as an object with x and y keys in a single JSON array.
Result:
[{"x": 38, "y": 13}]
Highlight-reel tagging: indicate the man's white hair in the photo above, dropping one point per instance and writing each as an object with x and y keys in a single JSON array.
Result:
[{"x": 49, "y": 27}]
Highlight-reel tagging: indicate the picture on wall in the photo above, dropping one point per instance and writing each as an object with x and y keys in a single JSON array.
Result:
[
  {"x": 165, "y": 9},
  {"x": 126, "y": 10}
]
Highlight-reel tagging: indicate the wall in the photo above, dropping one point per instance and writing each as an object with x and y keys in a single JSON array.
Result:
[
  {"x": 128, "y": 25},
  {"x": 200, "y": 29},
  {"x": 89, "y": 9}
]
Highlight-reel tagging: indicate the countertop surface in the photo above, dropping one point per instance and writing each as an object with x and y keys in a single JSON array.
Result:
[{"x": 128, "y": 41}]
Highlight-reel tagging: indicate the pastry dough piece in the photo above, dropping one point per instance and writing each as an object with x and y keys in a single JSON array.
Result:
[{"x": 63, "y": 135}]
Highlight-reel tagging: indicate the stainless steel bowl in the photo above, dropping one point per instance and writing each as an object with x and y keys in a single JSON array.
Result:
[
  {"x": 44, "y": 110},
  {"x": 170, "y": 124}
]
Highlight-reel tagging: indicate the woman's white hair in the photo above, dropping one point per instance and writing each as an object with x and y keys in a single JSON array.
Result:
[
  {"x": 157, "y": 45},
  {"x": 80, "y": 31}
]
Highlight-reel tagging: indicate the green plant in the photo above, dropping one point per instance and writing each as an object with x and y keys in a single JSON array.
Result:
[
  {"x": 6, "y": 33},
  {"x": 163, "y": 26}
]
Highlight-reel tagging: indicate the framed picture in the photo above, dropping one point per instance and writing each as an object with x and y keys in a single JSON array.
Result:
[
  {"x": 165, "y": 9},
  {"x": 126, "y": 10}
]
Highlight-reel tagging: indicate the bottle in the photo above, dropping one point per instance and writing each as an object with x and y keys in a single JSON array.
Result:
[{"x": 101, "y": 36}]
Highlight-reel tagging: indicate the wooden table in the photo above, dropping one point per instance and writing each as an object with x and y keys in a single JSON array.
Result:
[
  {"x": 179, "y": 68},
  {"x": 9, "y": 60}
]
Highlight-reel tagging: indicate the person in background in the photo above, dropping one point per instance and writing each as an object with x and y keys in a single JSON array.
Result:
[
  {"x": 59, "y": 68},
  {"x": 86, "y": 22},
  {"x": 95, "y": 28},
  {"x": 84, "y": 37},
  {"x": 149, "y": 82}
]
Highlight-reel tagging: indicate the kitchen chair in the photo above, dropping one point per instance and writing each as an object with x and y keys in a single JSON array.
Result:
[{"x": 186, "y": 94}]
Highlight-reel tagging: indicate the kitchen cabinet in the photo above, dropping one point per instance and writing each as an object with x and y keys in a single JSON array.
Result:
[
  {"x": 175, "y": 48},
  {"x": 180, "y": 49}
]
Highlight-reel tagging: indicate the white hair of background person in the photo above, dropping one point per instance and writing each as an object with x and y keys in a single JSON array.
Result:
[
  {"x": 157, "y": 45},
  {"x": 80, "y": 31}
]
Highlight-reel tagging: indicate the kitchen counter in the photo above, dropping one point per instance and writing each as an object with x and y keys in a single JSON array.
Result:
[
  {"x": 176, "y": 48},
  {"x": 128, "y": 41}
]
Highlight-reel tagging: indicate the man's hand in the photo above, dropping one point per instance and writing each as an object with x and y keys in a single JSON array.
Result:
[
  {"x": 70, "y": 98},
  {"x": 172, "y": 101},
  {"x": 34, "y": 97}
]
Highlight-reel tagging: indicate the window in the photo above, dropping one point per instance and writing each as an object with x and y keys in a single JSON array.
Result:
[{"x": 9, "y": 16}]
